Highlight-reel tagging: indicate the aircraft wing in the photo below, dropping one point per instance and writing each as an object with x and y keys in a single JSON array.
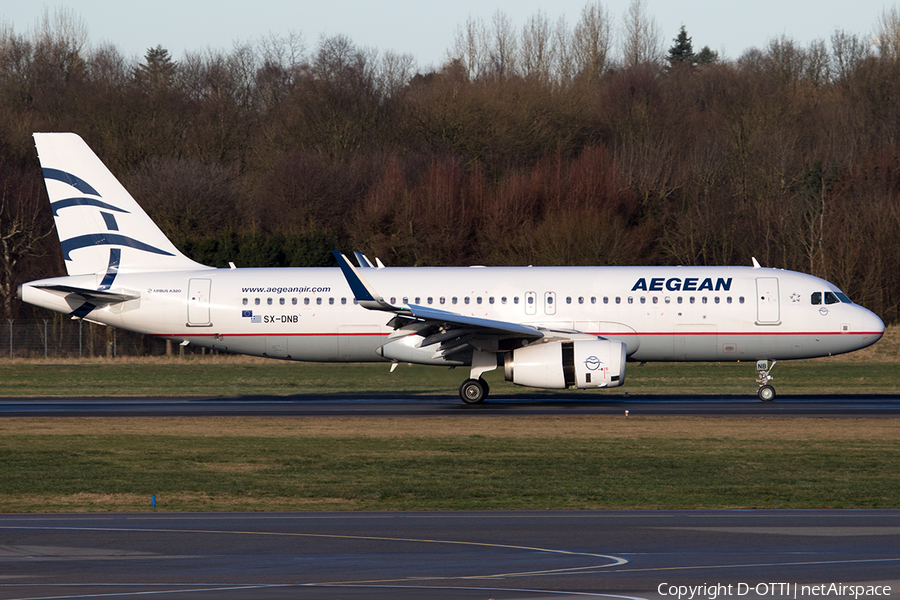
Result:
[
  {"x": 454, "y": 332},
  {"x": 486, "y": 325}
]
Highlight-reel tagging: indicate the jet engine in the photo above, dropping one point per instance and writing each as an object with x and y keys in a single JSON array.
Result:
[{"x": 579, "y": 363}]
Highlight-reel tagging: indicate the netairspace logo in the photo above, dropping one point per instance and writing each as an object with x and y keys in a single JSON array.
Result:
[{"x": 793, "y": 591}]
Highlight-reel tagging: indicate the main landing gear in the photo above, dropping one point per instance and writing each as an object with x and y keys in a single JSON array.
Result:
[
  {"x": 766, "y": 392},
  {"x": 474, "y": 391}
]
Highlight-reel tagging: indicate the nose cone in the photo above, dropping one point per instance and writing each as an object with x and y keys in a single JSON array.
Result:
[{"x": 870, "y": 327}]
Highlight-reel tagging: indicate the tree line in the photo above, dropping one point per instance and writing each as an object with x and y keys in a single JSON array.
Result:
[{"x": 549, "y": 144}]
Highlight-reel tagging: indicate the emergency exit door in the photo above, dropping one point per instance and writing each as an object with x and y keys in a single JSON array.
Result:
[
  {"x": 198, "y": 302},
  {"x": 767, "y": 308}
]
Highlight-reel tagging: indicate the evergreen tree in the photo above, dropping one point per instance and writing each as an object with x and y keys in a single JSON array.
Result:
[
  {"x": 706, "y": 56},
  {"x": 682, "y": 51},
  {"x": 157, "y": 71}
]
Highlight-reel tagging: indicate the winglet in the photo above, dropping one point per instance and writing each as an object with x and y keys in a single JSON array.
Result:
[
  {"x": 364, "y": 293},
  {"x": 363, "y": 260},
  {"x": 756, "y": 264}
]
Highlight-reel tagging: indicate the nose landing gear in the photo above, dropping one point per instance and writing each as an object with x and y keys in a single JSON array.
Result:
[{"x": 766, "y": 392}]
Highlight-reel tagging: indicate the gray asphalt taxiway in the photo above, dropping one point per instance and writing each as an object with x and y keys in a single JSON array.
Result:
[
  {"x": 846, "y": 405},
  {"x": 466, "y": 555}
]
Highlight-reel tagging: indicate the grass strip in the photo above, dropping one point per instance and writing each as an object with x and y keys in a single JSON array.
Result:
[{"x": 227, "y": 464}]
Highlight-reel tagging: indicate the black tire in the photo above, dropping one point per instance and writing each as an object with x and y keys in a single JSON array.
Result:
[
  {"x": 766, "y": 393},
  {"x": 473, "y": 391}
]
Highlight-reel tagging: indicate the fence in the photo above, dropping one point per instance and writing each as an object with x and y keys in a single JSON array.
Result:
[{"x": 67, "y": 338}]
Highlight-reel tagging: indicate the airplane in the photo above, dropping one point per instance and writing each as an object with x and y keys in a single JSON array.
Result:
[{"x": 546, "y": 327}]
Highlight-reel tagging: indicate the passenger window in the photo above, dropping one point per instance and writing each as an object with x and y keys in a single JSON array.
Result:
[
  {"x": 256, "y": 301},
  {"x": 605, "y": 299},
  {"x": 704, "y": 300},
  {"x": 491, "y": 300},
  {"x": 245, "y": 301},
  {"x": 344, "y": 301},
  {"x": 716, "y": 299},
  {"x": 618, "y": 300},
  {"x": 643, "y": 299},
  {"x": 816, "y": 298},
  {"x": 453, "y": 300},
  {"x": 318, "y": 301},
  {"x": 269, "y": 301},
  {"x": 478, "y": 300},
  {"x": 530, "y": 299},
  {"x": 515, "y": 300},
  {"x": 430, "y": 300},
  {"x": 306, "y": 301},
  {"x": 281, "y": 301},
  {"x": 443, "y": 300},
  {"x": 467, "y": 299},
  {"x": 830, "y": 298},
  {"x": 331, "y": 301},
  {"x": 503, "y": 300},
  {"x": 294, "y": 301}
]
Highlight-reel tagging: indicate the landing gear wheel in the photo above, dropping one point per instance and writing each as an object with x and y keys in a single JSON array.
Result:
[
  {"x": 473, "y": 391},
  {"x": 766, "y": 393}
]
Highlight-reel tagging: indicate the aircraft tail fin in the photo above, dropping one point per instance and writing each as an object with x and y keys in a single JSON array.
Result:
[{"x": 102, "y": 229}]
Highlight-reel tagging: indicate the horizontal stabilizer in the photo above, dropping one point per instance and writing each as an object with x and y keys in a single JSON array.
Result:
[{"x": 96, "y": 297}]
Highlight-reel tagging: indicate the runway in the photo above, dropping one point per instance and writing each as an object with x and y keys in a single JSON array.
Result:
[
  {"x": 847, "y": 405},
  {"x": 467, "y": 555}
]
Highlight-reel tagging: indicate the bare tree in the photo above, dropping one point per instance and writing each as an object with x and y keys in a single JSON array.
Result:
[
  {"x": 591, "y": 41},
  {"x": 564, "y": 64},
  {"x": 21, "y": 231},
  {"x": 469, "y": 47},
  {"x": 785, "y": 60},
  {"x": 395, "y": 72},
  {"x": 502, "y": 47},
  {"x": 60, "y": 41},
  {"x": 848, "y": 51},
  {"x": 536, "y": 52},
  {"x": 642, "y": 40},
  {"x": 887, "y": 33}
]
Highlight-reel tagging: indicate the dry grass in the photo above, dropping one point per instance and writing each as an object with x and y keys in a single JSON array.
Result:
[{"x": 580, "y": 427}]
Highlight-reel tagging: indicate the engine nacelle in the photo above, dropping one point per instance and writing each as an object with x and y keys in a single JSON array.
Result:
[{"x": 579, "y": 363}]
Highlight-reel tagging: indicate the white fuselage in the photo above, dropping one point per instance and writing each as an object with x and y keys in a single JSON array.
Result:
[{"x": 660, "y": 313}]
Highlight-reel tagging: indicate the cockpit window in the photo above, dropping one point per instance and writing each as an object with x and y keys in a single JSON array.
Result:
[
  {"x": 843, "y": 297},
  {"x": 829, "y": 298}
]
